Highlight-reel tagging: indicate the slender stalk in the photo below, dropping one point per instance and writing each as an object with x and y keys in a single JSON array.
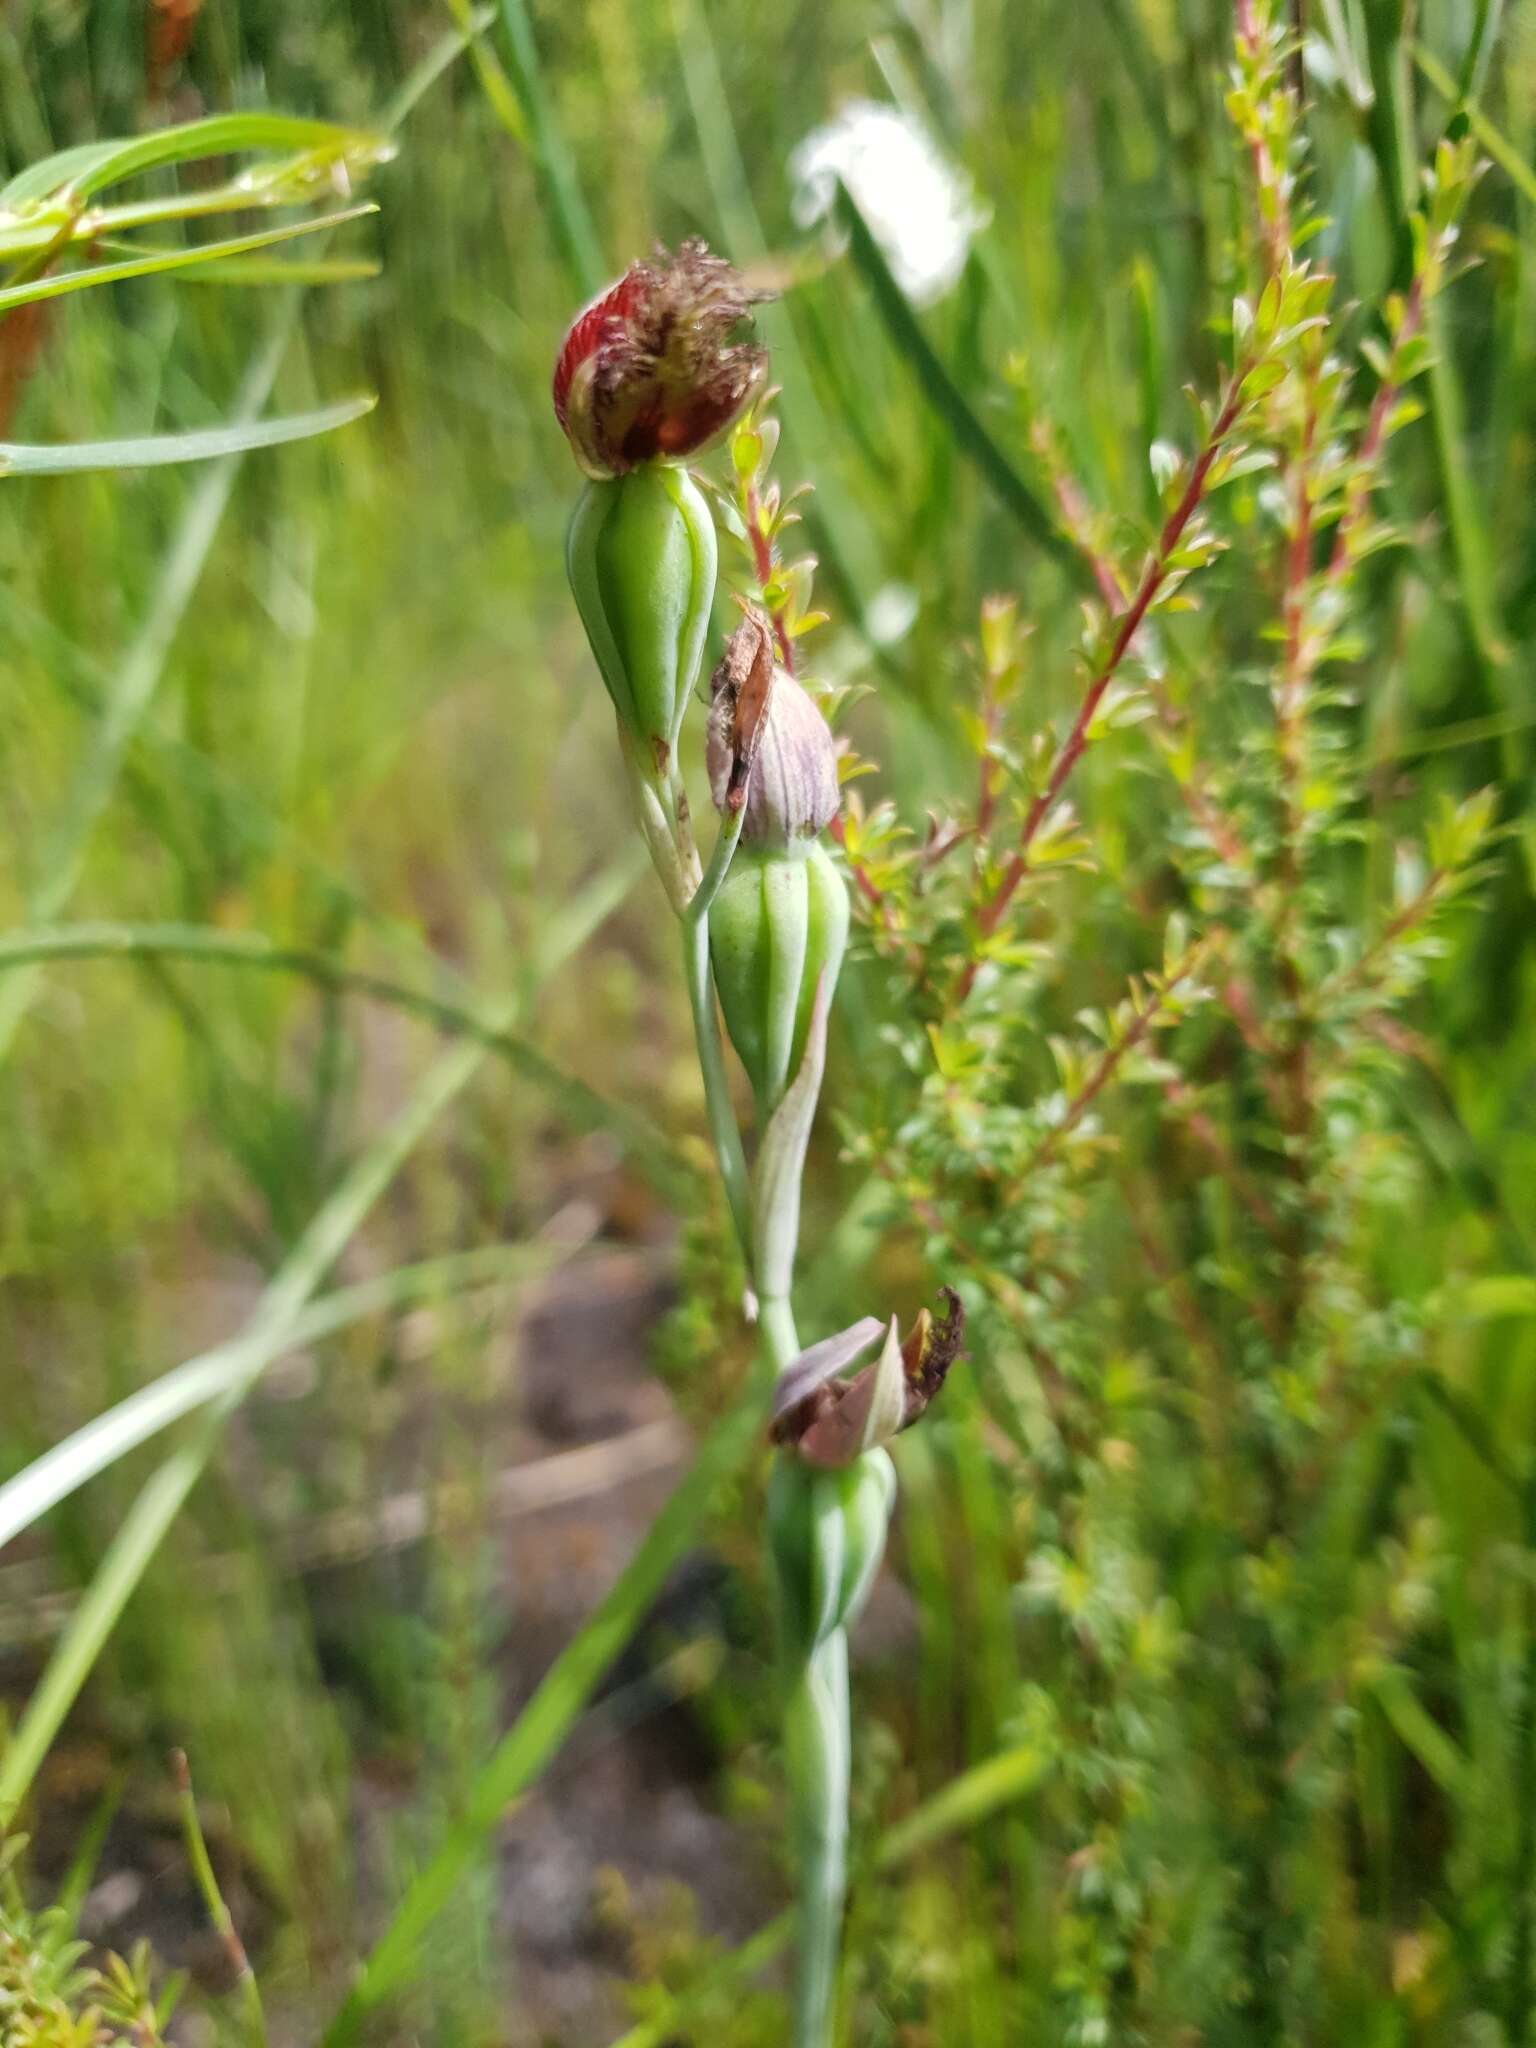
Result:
[
  {"x": 776, "y": 1320},
  {"x": 565, "y": 204},
  {"x": 717, "y": 1095},
  {"x": 213, "y": 1899},
  {"x": 818, "y": 1746},
  {"x": 723, "y": 1130},
  {"x": 546, "y": 1720},
  {"x": 817, "y": 1752},
  {"x": 1152, "y": 579}
]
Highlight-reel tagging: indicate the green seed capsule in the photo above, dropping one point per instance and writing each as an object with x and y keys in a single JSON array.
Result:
[
  {"x": 641, "y": 557},
  {"x": 826, "y": 1532},
  {"x": 780, "y": 919}
]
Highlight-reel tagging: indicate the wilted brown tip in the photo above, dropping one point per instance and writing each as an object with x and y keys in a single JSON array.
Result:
[
  {"x": 767, "y": 746},
  {"x": 831, "y": 1421},
  {"x": 739, "y": 693}
]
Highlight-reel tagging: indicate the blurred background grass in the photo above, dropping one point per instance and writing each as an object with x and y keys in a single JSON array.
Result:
[{"x": 375, "y": 729}]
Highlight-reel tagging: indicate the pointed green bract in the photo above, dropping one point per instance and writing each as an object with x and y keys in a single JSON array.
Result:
[
  {"x": 641, "y": 556},
  {"x": 781, "y": 917}
]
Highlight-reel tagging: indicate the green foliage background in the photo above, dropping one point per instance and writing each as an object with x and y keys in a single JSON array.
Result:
[{"x": 375, "y": 735}]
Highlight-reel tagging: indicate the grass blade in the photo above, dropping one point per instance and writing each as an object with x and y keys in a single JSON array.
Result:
[
  {"x": 986, "y": 1788},
  {"x": 80, "y": 173},
  {"x": 153, "y": 262},
  {"x": 543, "y": 1724},
  {"x": 1392, "y": 132},
  {"x": 582, "y": 1106},
  {"x": 1028, "y": 510},
  {"x": 186, "y": 1388},
  {"x": 138, "y": 676},
  {"x": 203, "y": 444},
  {"x": 1503, "y": 152},
  {"x": 445, "y": 52},
  {"x": 564, "y": 202}
]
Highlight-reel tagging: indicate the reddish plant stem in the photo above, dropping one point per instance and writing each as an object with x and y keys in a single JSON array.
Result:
[
  {"x": 1412, "y": 913},
  {"x": 1152, "y": 577},
  {"x": 1358, "y": 491},
  {"x": 1239, "y": 1000},
  {"x": 1268, "y": 176},
  {"x": 1077, "y": 523},
  {"x": 764, "y": 565},
  {"x": 1181, "y": 1098},
  {"x": 1104, "y": 1072}
]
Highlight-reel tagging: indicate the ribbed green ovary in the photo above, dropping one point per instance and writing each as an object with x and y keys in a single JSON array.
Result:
[
  {"x": 641, "y": 556},
  {"x": 780, "y": 919}
]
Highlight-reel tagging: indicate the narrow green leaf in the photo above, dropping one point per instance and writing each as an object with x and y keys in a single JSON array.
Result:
[
  {"x": 445, "y": 52},
  {"x": 1419, "y": 1732},
  {"x": 150, "y": 262},
  {"x": 546, "y": 1720},
  {"x": 1503, "y": 152},
  {"x": 947, "y": 399},
  {"x": 92, "y": 167},
  {"x": 565, "y": 203},
  {"x": 202, "y": 444},
  {"x": 582, "y": 1106},
  {"x": 142, "y": 1415}
]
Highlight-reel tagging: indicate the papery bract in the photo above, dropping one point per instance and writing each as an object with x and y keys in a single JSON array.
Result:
[{"x": 768, "y": 746}]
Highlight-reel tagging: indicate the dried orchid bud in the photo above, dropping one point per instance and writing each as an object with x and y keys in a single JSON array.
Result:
[
  {"x": 650, "y": 370},
  {"x": 832, "y": 1421},
  {"x": 768, "y": 746}
]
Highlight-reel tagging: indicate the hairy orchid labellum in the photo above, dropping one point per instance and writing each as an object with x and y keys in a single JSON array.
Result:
[
  {"x": 780, "y": 920},
  {"x": 652, "y": 369},
  {"x": 649, "y": 373}
]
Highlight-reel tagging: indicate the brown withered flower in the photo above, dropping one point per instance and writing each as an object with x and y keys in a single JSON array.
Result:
[
  {"x": 767, "y": 746},
  {"x": 831, "y": 1421},
  {"x": 652, "y": 369}
]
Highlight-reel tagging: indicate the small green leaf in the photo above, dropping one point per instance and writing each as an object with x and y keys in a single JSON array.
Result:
[
  {"x": 18, "y": 458},
  {"x": 150, "y": 262}
]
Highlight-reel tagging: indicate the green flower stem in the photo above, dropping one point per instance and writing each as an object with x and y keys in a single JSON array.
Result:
[
  {"x": 706, "y": 1031},
  {"x": 731, "y": 1157},
  {"x": 776, "y": 1320},
  {"x": 719, "y": 866},
  {"x": 671, "y": 851},
  {"x": 817, "y": 1753},
  {"x": 817, "y": 1743}
]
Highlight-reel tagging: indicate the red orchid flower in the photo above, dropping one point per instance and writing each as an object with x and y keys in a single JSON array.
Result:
[{"x": 649, "y": 371}]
